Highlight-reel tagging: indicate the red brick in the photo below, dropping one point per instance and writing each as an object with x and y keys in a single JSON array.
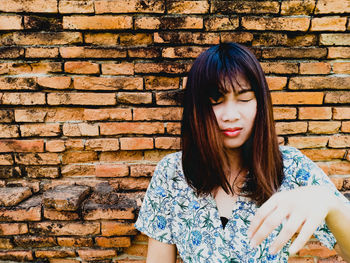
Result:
[
  {"x": 96, "y": 254},
  {"x": 129, "y": 6},
  {"x": 345, "y": 127},
  {"x": 137, "y": 250},
  {"x": 144, "y": 52},
  {"x": 337, "y": 97},
  {"x": 315, "y": 68},
  {"x": 42, "y": 172},
  {"x": 316, "y": 249},
  {"x": 338, "y": 52},
  {"x": 112, "y": 170},
  {"x": 102, "y": 144},
  {"x": 10, "y": 22},
  {"x": 41, "y": 38},
  {"x": 315, "y": 113},
  {"x": 294, "y": 52},
  {"x": 78, "y": 170},
  {"x": 34, "y": 241},
  {"x": 37, "y": 129},
  {"x": 283, "y": 128},
  {"x": 37, "y": 6},
  {"x": 138, "y": 183},
  {"x": 8, "y": 131},
  {"x": 54, "y": 82},
  {"x": 330, "y": 23},
  {"x": 121, "y": 156},
  {"x": 81, "y": 99},
  {"x": 136, "y": 143},
  {"x": 332, "y": 6},
  {"x": 141, "y": 170},
  {"x": 244, "y": 7},
  {"x": 308, "y": 142},
  {"x": 297, "y": 7},
  {"x": 292, "y": 259},
  {"x": 6, "y": 159},
  {"x": 334, "y": 39},
  {"x": 276, "y": 83},
  {"x": 19, "y": 255},
  {"x": 48, "y": 114},
  {"x": 283, "y": 113},
  {"x": 6, "y": 115},
  {"x": 182, "y": 52},
  {"x": 108, "y": 83},
  {"x": 65, "y": 228},
  {"x": 123, "y": 68},
  {"x": 324, "y": 154},
  {"x": 90, "y": 52},
  {"x": 22, "y": 98},
  {"x": 173, "y": 128},
  {"x": 97, "y": 22},
  {"x": 187, "y": 37},
  {"x": 279, "y": 67},
  {"x": 21, "y": 214},
  {"x": 21, "y": 146},
  {"x": 11, "y": 196},
  {"x": 113, "y": 241},
  {"x": 79, "y": 157},
  {"x": 341, "y": 67},
  {"x": 276, "y": 23},
  {"x": 131, "y": 128},
  {"x": 297, "y": 98},
  {"x": 134, "y": 98},
  {"x": 339, "y": 141},
  {"x": 170, "y": 22},
  {"x": 174, "y": 113},
  {"x": 324, "y": 127},
  {"x": 37, "y": 158},
  {"x": 80, "y": 7},
  {"x": 75, "y": 241},
  {"x": 221, "y": 23},
  {"x": 42, "y": 52},
  {"x": 17, "y": 83},
  {"x": 5, "y": 243},
  {"x": 53, "y": 214},
  {"x": 109, "y": 213},
  {"x": 167, "y": 143},
  {"x": 113, "y": 228},
  {"x": 188, "y": 7},
  {"x": 81, "y": 67},
  {"x": 164, "y": 67},
  {"x": 54, "y": 253}
]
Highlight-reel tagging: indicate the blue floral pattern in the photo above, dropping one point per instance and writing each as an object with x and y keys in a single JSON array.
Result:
[{"x": 173, "y": 213}]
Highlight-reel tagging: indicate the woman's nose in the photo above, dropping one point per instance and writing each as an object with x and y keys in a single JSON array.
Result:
[{"x": 230, "y": 112}]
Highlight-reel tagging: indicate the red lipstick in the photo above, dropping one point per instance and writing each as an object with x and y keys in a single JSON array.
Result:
[{"x": 232, "y": 132}]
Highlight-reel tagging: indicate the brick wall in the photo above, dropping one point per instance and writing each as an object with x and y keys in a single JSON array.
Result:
[{"x": 85, "y": 114}]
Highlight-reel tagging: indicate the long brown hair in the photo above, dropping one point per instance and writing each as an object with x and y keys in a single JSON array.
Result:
[{"x": 204, "y": 159}]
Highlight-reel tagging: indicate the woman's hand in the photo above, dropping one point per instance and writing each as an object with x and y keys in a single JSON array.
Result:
[{"x": 303, "y": 208}]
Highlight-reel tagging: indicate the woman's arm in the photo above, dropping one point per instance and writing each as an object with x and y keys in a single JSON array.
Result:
[
  {"x": 338, "y": 221},
  {"x": 159, "y": 252}
]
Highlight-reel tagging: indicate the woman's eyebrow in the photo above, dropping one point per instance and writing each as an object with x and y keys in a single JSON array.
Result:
[{"x": 241, "y": 91}]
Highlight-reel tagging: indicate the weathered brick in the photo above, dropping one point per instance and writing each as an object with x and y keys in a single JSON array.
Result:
[
  {"x": 10, "y": 22},
  {"x": 54, "y": 253},
  {"x": 136, "y": 143},
  {"x": 284, "y": 113},
  {"x": 123, "y": 68},
  {"x": 75, "y": 241},
  {"x": 339, "y": 168},
  {"x": 41, "y": 38},
  {"x": 10, "y": 83},
  {"x": 108, "y": 83},
  {"x": 339, "y": 141},
  {"x": 324, "y": 127},
  {"x": 10, "y": 52},
  {"x": 169, "y": 22},
  {"x": 315, "y": 68},
  {"x": 338, "y": 52},
  {"x": 6, "y": 115},
  {"x": 137, "y": 183},
  {"x": 345, "y": 126},
  {"x": 187, "y": 37},
  {"x": 131, "y": 128},
  {"x": 37, "y": 6},
  {"x": 112, "y": 170},
  {"x": 80, "y": 7},
  {"x": 113, "y": 241},
  {"x": 332, "y": 6},
  {"x": 78, "y": 170},
  {"x": 107, "y": 114},
  {"x": 42, "y": 172},
  {"x": 5, "y": 243},
  {"x": 96, "y": 254},
  {"x": 276, "y": 83},
  {"x": 13, "y": 229},
  {"x": 279, "y": 67},
  {"x": 284, "y": 39},
  {"x": 54, "y": 82},
  {"x": 55, "y": 146},
  {"x": 167, "y": 143},
  {"x": 65, "y": 198},
  {"x": 335, "y": 39},
  {"x": 53, "y": 214},
  {"x": 78, "y": 67},
  {"x": 9, "y": 172},
  {"x": 276, "y": 23},
  {"x": 18, "y": 255},
  {"x": 298, "y": 52},
  {"x": 37, "y": 129},
  {"x": 113, "y": 228},
  {"x": 26, "y": 68},
  {"x": 137, "y": 250},
  {"x": 103, "y": 144},
  {"x": 297, "y": 7},
  {"x": 144, "y": 52},
  {"x": 34, "y": 241},
  {"x": 98, "y": 213},
  {"x": 23, "y": 98},
  {"x": 141, "y": 170},
  {"x": 308, "y": 142},
  {"x": 315, "y": 113},
  {"x": 41, "y": 52},
  {"x": 33, "y": 185},
  {"x": 79, "y": 157},
  {"x": 11, "y": 196},
  {"x": 8, "y": 131},
  {"x": 97, "y": 22},
  {"x": 174, "y": 113},
  {"x": 283, "y": 128},
  {"x": 48, "y": 114},
  {"x": 91, "y": 52},
  {"x": 121, "y": 156},
  {"x": 166, "y": 98},
  {"x": 129, "y": 6},
  {"x": 188, "y": 7},
  {"x": 21, "y": 146},
  {"x": 163, "y": 67},
  {"x": 21, "y": 214},
  {"x": 134, "y": 98},
  {"x": 6, "y": 159},
  {"x": 297, "y": 98},
  {"x": 42, "y": 23},
  {"x": 341, "y": 67},
  {"x": 341, "y": 97},
  {"x": 182, "y": 52},
  {"x": 316, "y": 249},
  {"x": 81, "y": 99},
  {"x": 65, "y": 228},
  {"x": 219, "y": 23},
  {"x": 330, "y": 23},
  {"x": 244, "y": 7},
  {"x": 37, "y": 158},
  {"x": 324, "y": 154}
]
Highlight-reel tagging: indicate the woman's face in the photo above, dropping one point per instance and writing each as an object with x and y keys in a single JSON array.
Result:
[{"x": 235, "y": 113}]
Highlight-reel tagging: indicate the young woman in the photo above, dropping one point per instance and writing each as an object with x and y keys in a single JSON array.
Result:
[{"x": 232, "y": 194}]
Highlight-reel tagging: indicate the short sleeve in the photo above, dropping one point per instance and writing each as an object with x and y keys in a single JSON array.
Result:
[
  {"x": 155, "y": 217},
  {"x": 314, "y": 175}
]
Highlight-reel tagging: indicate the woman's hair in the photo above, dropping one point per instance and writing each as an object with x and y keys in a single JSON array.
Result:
[{"x": 204, "y": 158}]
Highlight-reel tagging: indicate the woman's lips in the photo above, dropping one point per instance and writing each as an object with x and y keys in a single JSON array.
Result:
[{"x": 232, "y": 132}]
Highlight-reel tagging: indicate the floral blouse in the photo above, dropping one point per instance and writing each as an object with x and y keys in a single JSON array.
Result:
[{"x": 173, "y": 213}]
